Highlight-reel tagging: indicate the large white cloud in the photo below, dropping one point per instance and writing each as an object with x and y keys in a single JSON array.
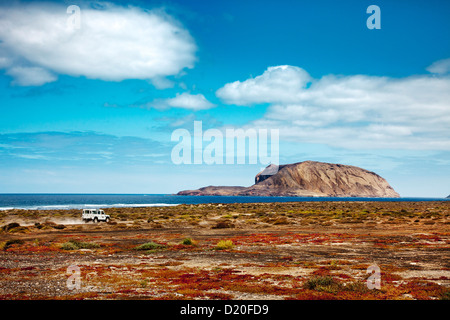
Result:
[
  {"x": 276, "y": 84},
  {"x": 350, "y": 111},
  {"x": 112, "y": 43}
]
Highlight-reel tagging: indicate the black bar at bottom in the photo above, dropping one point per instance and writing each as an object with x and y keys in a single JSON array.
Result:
[{"x": 215, "y": 309}]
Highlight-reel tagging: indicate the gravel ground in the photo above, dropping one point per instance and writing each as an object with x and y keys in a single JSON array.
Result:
[{"x": 276, "y": 250}]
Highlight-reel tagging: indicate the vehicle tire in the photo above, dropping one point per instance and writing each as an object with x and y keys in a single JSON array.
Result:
[
  {"x": 95, "y": 220},
  {"x": 107, "y": 220}
]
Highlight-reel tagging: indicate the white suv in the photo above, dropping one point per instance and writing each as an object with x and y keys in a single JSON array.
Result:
[{"x": 95, "y": 215}]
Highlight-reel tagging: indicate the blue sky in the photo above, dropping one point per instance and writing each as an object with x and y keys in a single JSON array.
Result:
[{"x": 92, "y": 109}]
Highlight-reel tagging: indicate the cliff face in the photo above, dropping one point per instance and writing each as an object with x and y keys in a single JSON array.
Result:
[
  {"x": 312, "y": 178},
  {"x": 309, "y": 178}
]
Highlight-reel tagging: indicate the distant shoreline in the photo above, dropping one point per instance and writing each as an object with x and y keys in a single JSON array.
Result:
[{"x": 85, "y": 201}]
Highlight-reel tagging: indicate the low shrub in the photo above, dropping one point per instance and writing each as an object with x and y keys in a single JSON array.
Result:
[
  {"x": 446, "y": 295},
  {"x": 224, "y": 245},
  {"x": 75, "y": 245},
  {"x": 68, "y": 246},
  {"x": 149, "y": 246},
  {"x": 223, "y": 225},
  {"x": 20, "y": 229},
  {"x": 7, "y": 244},
  {"x": 281, "y": 221},
  {"x": 188, "y": 242},
  {"x": 10, "y": 226},
  {"x": 323, "y": 283}
]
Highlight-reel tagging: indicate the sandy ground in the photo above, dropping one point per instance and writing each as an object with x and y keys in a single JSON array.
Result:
[{"x": 310, "y": 250}]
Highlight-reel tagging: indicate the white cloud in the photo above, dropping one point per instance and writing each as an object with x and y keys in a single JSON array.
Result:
[
  {"x": 30, "y": 76},
  {"x": 162, "y": 83},
  {"x": 78, "y": 146},
  {"x": 4, "y": 61},
  {"x": 184, "y": 100},
  {"x": 113, "y": 43},
  {"x": 440, "y": 66},
  {"x": 351, "y": 111},
  {"x": 276, "y": 84}
]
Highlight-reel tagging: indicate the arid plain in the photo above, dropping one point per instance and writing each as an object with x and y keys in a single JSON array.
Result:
[{"x": 295, "y": 250}]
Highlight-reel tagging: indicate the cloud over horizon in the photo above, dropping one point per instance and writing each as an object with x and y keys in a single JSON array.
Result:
[
  {"x": 356, "y": 111},
  {"x": 113, "y": 43},
  {"x": 80, "y": 147}
]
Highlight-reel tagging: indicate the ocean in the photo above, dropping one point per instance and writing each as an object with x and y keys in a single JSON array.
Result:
[{"x": 85, "y": 201}]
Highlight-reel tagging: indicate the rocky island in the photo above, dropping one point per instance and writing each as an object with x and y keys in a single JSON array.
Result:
[{"x": 308, "y": 179}]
